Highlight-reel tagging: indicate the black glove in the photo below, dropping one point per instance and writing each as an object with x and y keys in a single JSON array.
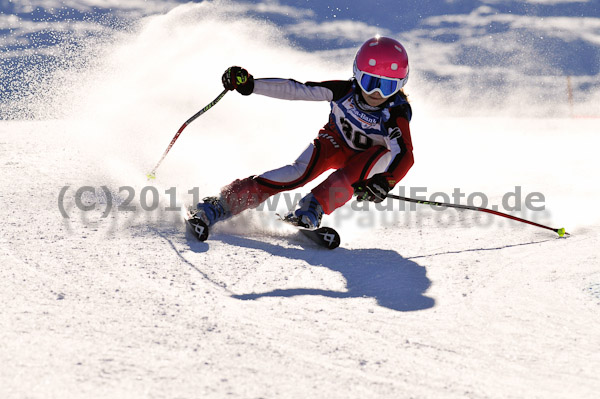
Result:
[
  {"x": 374, "y": 189},
  {"x": 237, "y": 78}
]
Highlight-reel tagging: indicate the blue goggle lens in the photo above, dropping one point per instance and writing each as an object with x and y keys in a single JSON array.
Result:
[{"x": 370, "y": 83}]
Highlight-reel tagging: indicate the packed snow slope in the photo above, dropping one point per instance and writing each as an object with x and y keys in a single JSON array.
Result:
[{"x": 106, "y": 295}]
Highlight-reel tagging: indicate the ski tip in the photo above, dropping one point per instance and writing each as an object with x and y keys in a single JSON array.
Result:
[
  {"x": 151, "y": 176},
  {"x": 198, "y": 228},
  {"x": 326, "y": 237}
]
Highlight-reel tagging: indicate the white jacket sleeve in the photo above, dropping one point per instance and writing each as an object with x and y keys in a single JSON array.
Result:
[{"x": 289, "y": 89}]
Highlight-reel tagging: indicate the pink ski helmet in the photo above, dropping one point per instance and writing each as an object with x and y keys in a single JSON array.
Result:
[{"x": 381, "y": 64}]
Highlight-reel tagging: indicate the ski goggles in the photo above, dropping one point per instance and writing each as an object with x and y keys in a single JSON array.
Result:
[{"x": 385, "y": 86}]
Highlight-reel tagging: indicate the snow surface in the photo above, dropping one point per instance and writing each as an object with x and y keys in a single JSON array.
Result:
[{"x": 415, "y": 303}]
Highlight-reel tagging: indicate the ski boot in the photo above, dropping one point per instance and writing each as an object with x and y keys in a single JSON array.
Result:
[{"x": 308, "y": 215}]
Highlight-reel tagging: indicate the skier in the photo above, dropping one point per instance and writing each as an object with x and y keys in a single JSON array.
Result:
[{"x": 367, "y": 139}]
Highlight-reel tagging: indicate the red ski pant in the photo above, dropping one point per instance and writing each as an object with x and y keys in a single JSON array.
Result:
[{"x": 328, "y": 151}]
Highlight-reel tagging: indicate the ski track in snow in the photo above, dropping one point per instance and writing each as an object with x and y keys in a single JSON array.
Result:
[{"x": 105, "y": 304}]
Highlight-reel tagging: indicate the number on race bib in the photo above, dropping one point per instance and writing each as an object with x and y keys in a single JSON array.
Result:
[{"x": 360, "y": 140}]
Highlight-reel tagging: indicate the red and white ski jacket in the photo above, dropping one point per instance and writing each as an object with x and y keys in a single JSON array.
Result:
[{"x": 361, "y": 125}]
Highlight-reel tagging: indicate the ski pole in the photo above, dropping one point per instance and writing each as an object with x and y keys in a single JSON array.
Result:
[
  {"x": 152, "y": 174},
  {"x": 561, "y": 232}
]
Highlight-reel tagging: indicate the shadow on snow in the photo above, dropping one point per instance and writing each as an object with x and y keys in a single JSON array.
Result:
[{"x": 395, "y": 282}]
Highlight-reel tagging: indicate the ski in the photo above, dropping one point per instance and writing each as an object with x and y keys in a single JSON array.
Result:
[{"x": 325, "y": 237}]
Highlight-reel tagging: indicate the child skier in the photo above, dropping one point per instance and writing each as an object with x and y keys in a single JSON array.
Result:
[{"x": 367, "y": 139}]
